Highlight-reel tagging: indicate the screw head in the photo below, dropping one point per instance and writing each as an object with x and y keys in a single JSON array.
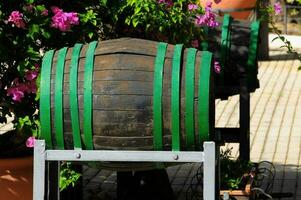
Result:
[
  {"x": 77, "y": 155},
  {"x": 176, "y": 157}
]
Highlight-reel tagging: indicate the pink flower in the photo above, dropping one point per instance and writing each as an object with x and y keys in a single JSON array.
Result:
[
  {"x": 17, "y": 90},
  {"x": 31, "y": 87},
  {"x": 72, "y": 18},
  {"x": 64, "y": 20},
  {"x": 30, "y": 142},
  {"x": 192, "y": 7},
  {"x": 17, "y": 19},
  {"x": 200, "y": 20},
  {"x": 217, "y": 67},
  {"x": 29, "y": 8},
  {"x": 22, "y": 87},
  {"x": 195, "y": 43},
  {"x": 16, "y": 94},
  {"x": 31, "y": 75},
  {"x": 37, "y": 66},
  {"x": 208, "y": 5},
  {"x": 44, "y": 12},
  {"x": 277, "y": 8},
  {"x": 208, "y": 18},
  {"x": 168, "y": 3},
  {"x": 55, "y": 9}
]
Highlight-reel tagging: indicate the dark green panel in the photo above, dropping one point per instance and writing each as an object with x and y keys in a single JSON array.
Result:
[
  {"x": 45, "y": 105},
  {"x": 88, "y": 89},
  {"x": 74, "y": 96},
  {"x": 175, "y": 97},
  {"x": 157, "y": 96}
]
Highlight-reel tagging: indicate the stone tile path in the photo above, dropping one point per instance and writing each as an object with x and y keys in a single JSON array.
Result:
[
  {"x": 275, "y": 120},
  {"x": 275, "y": 132}
]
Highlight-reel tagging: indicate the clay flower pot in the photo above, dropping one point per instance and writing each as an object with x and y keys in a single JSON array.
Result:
[
  {"x": 16, "y": 178},
  {"x": 232, "y": 5}
]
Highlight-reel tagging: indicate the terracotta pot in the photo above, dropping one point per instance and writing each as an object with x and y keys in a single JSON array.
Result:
[
  {"x": 224, "y": 5},
  {"x": 16, "y": 178}
]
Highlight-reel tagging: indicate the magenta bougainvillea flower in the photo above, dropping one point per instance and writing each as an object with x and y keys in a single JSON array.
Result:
[
  {"x": 17, "y": 90},
  {"x": 17, "y": 19},
  {"x": 208, "y": 18},
  {"x": 30, "y": 141},
  {"x": 55, "y": 9},
  {"x": 169, "y": 3},
  {"x": 217, "y": 67},
  {"x": 277, "y": 8},
  {"x": 44, "y": 12},
  {"x": 192, "y": 7},
  {"x": 29, "y": 8},
  {"x": 15, "y": 93},
  {"x": 195, "y": 43},
  {"x": 31, "y": 87},
  {"x": 31, "y": 75},
  {"x": 64, "y": 20}
]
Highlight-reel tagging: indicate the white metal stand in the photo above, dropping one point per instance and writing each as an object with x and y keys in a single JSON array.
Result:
[{"x": 41, "y": 155}]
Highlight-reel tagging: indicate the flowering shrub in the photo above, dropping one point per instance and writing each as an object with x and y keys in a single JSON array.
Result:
[
  {"x": 17, "y": 19},
  {"x": 27, "y": 29},
  {"x": 63, "y": 20},
  {"x": 267, "y": 14}
]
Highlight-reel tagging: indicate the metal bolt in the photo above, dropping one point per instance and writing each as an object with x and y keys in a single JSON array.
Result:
[
  {"x": 176, "y": 157},
  {"x": 77, "y": 155}
]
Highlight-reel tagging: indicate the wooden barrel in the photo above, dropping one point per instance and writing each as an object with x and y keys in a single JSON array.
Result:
[
  {"x": 126, "y": 94},
  {"x": 235, "y": 46}
]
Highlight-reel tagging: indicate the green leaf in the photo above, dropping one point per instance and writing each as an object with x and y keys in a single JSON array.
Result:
[
  {"x": 103, "y": 2},
  {"x": 147, "y": 27},
  {"x": 46, "y": 34},
  {"x": 128, "y": 21},
  {"x": 94, "y": 22},
  {"x": 24, "y": 121},
  {"x": 40, "y": 8},
  {"x": 90, "y": 35},
  {"x": 137, "y": 10},
  {"x": 135, "y": 22},
  {"x": 68, "y": 176}
]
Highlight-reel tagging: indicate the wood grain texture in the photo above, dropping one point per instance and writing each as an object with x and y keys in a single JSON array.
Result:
[{"x": 123, "y": 95}]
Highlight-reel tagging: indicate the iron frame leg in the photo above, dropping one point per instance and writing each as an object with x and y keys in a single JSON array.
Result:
[
  {"x": 244, "y": 121},
  {"x": 41, "y": 156},
  {"x": 39, "y": 166}
]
